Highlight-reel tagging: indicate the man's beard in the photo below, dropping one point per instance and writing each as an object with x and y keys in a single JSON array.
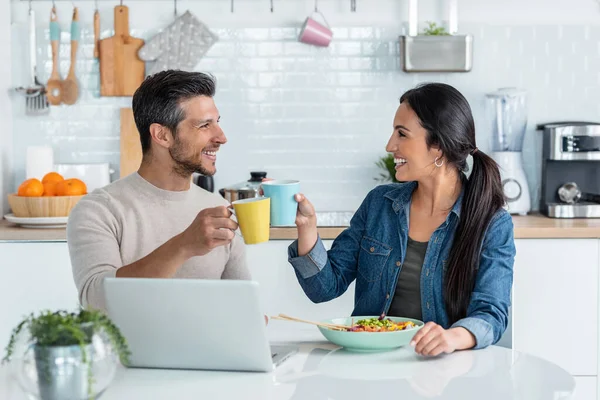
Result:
[{"x": 186, "y": 166}]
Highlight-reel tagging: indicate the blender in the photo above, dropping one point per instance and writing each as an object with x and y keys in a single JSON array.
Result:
[{"x": 507, "y": 108}]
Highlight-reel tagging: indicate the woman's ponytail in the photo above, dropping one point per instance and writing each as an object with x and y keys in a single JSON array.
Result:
[{"x": 483, "y": 197}]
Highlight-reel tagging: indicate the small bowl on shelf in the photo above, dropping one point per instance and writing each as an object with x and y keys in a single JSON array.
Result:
[{"x": 42, "y": 206}]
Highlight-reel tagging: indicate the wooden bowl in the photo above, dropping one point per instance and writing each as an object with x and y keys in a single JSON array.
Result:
[{"x": 35, "y": 207}]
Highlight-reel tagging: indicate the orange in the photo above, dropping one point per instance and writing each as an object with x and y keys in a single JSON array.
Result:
[
  {"x": 52, "y": 177},
  {"x": 71, "y": 187},
  {"x": 31, "y": 188},
  {"x": 50, "y": 188}
]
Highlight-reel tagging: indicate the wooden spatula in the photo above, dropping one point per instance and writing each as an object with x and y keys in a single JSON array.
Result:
[
  {"x": 70, "y": 91},
  {"x": 54, "y": 85}
]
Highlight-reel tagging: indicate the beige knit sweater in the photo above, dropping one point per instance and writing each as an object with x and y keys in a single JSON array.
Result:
[{"x": 128, "y": 219}]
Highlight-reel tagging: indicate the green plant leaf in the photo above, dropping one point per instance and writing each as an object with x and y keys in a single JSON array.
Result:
[
  {"x": 389, "y": 169},
  {"x": 62, "y": 328},
  {"x": 434, "y": 30}
]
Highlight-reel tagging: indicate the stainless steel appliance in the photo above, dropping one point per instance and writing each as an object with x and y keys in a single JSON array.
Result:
[
  {"x": 244, "y": 190},
  {"x": 206, "y": 182},
  {"x": 570, "y": 155}
]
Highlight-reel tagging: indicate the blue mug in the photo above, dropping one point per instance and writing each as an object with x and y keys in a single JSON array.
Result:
[{"x": 283, "y": 203}]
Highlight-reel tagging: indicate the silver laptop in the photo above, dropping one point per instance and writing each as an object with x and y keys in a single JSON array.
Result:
[{"x": 193, "y": 324}]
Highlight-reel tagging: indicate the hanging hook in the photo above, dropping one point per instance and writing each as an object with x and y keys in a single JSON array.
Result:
[
  {"x": 29, "y": 6},
  {"x": 175, "y": 7},
  {"x": 316, "y": 8},
  {"x": 231, "y": 5},
  {"x": 121, "y": 3},
  {"x": 353, "y": 5},
  {"x": 271, "y": 5}
]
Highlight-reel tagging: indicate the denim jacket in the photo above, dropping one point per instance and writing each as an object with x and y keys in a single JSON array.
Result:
[{"x": 372, "y": 249}]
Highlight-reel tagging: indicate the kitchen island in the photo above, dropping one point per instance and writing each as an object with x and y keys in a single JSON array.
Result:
[
  {"x": 556, "y": 282},
  {"x": 321, "y": 370}
]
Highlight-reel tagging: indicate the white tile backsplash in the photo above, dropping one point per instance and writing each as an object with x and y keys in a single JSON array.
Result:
[{"x": 322, "y": 115}]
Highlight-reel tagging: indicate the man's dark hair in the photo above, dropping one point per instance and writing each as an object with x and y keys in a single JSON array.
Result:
[{"x": 158, "y": 99}]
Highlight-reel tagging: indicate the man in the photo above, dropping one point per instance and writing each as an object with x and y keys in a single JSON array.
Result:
[{"x": 154, "y": 223}]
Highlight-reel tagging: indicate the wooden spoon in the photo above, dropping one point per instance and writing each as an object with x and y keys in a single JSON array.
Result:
[
  {"x": 70, "y": 91},
  {"x": 54, "y": 85},
  {"x": 96, "y": 32}
]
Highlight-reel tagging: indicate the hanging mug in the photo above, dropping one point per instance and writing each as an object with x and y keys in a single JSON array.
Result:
[{"x": 315, "y": 32}]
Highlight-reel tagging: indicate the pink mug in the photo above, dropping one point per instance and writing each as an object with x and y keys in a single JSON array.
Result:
[{"x": 316, "y": 33}]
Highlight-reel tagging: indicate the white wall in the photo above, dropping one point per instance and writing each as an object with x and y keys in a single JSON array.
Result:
[
  {"x": 6, "y": 165},
  {"x": 323, "y": 115}
]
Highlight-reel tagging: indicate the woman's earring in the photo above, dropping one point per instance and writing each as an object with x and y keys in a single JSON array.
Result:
[{"x": 436, "y": 160}]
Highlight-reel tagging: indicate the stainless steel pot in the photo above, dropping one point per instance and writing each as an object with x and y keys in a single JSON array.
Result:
[{"x": 244, "y": 190}]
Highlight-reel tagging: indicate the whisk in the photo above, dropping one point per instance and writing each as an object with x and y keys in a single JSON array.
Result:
[{"x": 36, "y": 102}]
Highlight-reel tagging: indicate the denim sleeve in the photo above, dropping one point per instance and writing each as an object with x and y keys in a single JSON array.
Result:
[
  {"x": 325, "y": 275},
  {"x": 487, "y": 314}
]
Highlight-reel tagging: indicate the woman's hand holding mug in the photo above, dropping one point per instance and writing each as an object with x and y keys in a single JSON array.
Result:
[
  {"x": 306, "y": 221},
  {"x": 305, "y": 215}
]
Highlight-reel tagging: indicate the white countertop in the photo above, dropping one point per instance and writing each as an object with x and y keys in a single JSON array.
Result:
[{"x": 323, "y": 371}]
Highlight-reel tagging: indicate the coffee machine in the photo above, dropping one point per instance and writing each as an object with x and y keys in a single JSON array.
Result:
[{"x": 570, "y": 169}]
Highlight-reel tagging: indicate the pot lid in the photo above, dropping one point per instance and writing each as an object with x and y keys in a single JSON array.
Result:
[{"x": 256, "y": 178}]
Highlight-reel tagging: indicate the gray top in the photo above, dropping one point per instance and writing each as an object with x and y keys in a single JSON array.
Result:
[
  {"x": 125, "y": 221},
  {"x": 407, "y": 297}
]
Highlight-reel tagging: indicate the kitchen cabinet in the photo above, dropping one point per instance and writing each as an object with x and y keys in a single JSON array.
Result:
[
  {"x": 555, "y": 302},
  {"x": 280, "y": 291},
  {"x": 35, "y": 276},
  {"x": 586, "y": 388}
]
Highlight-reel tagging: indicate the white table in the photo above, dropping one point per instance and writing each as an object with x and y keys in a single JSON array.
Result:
[{"x": 323, "y": 371}]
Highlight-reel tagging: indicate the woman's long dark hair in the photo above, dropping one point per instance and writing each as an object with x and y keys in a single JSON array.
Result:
[{"x": 446, "y": 116}]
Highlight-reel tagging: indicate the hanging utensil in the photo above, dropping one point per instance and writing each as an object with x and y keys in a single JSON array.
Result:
[
  {"x": 54, "y": 85},
  {"x": 121, "y": 69},
  {"x": 96, "y": 31},
  {"x": 570, "y": 193},
  {"x": 70, "y": 87},
  {"x": 36, "y": 102}
]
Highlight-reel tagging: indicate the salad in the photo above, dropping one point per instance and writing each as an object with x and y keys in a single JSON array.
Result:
[{"x": 380, "y": 325}]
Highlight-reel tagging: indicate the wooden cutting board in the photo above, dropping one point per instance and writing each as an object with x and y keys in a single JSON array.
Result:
[
  {"x": 121, "y": 70},
  {"x": 131, "y": 148}
]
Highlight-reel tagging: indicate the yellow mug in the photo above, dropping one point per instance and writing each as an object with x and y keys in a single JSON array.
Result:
[{"x": 254, "y": 217}]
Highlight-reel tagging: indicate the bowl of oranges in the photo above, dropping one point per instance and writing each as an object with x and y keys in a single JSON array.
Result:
[{"x": 53, "y": 196}]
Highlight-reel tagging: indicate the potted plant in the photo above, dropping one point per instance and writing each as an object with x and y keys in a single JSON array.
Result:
[
  {"x": 435, "y": 49},
  {"x": 388, "y": 166},
  {"x": 68, "y": 354},
  {"x": 433, "y": 29}
]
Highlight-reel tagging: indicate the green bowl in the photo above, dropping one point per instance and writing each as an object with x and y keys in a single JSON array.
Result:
[{"x": 369, "y": 341}]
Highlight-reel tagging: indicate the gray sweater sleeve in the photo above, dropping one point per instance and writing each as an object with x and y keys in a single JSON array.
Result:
[
  {"x": 237, "y": 267},
  {"x": 92, "y": 238}
]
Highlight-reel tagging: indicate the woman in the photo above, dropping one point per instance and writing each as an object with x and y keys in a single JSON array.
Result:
[{"x": 438, "y": 247}]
